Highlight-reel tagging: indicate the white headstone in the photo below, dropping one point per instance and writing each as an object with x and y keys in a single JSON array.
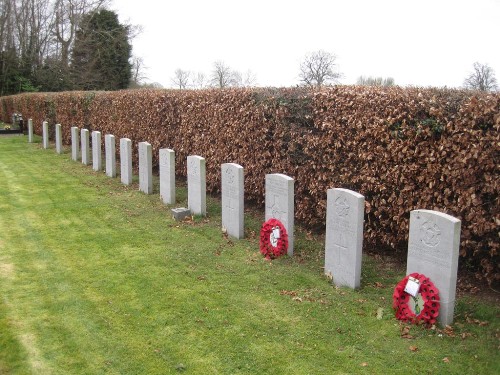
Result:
[
  {"x": 145, "y": 168},
  {"x": 197, "y": 185},
  {"x": 45, "y": 134},
  {"x": 233, "y": 199},
  {"x": 344, "y": 236},
  {"x": 125, "y": 161},
  {"x": 75, "y": 143},
  {"x": 30, "y": 130},
  {"x": 85, "y": 146},
  {"x": 280, "y": 203},
  {"x": 433, "y": 249},
  {"x": 96, "y": 151},
  {"x": 110, "y": 150},
  {"x": 59, "y": 147},
  {"x": 167, "y": 175}
]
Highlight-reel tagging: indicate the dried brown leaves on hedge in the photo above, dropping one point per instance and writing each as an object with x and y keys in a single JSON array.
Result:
[{"x": 403, "y": 149}]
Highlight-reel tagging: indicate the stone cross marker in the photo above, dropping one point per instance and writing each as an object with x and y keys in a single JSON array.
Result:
[
  {"x": 110, "y": 150},
  {"x": 233, "y": 199},
  {"x": 145, "y": 168},
  {"x": 125, "y": 161},
  {"x": 59, "y": 147},
  {"x": 280, "y": 203},
  {"x": 75, "y": 143},
  {"x": 45, "y": 134},
  {"x": 85, "y": 146},
  {"x": 30, "y": 130},
  {"x": 96, "y": 151},
  {"x": 197, "y": 185},
  {"x": 433, "y": 248},
  {"x": 167, "y": 175},
  {"x": 344, "y": 236}
]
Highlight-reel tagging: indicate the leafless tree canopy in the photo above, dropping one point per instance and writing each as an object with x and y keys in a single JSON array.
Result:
[
  {"x": 482, "y": 78},
  {"x": 181, "y": 79},
  {"x": 319, "y": 69},
  {"x": 222, "y": 75},
  {"x": 375, "y": 81}
]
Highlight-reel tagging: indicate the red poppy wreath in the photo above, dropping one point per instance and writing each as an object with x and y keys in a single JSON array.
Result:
[
  {"x": 421, "y": 308},
  {"x": 273, "y": 239}
]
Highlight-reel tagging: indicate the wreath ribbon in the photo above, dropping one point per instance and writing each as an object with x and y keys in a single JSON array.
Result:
[
  {"x": 270, "y": 246},
  {"x": 429, "y": 294}
]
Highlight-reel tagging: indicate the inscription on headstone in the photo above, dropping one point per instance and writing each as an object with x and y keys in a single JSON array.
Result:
[
  {"x": 197, "y": 189},
  {"x": 145, "y": 168},
  {"x": 280, "y": 203},
  {"x": 126, "y": 161},
  {"x": 30, "y": 130},
  {"x": 59, "y": 147},
  {"x": 45, "y": 134},
  {"x": 75, "y": 143},
  {"x": 167, "y": 175},
  {"x": 110, "y": 150},
  {"x": 233, "y": 199},
  {"x": 344, "y": 236},
  {"x": 85, "y": 147},
  {"x": 96, "y": 151},
  {"x": 433, "y": 249}
]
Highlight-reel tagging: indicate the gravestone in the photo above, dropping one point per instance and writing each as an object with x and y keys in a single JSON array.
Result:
[
  {"x": 433, "y": 249},
  {"x": 45, "y": 134},
  {"x": 75, "y": 143},
  {"x": 344, "y": 236},
  {"x": 233, "y": 199},
  {"x": 96, "y": 151},
  {"x": 125, "y": 161},
  {"x": 167, "y": 175},
  {"x": 197, "y": 185},
  {"x": 30, "y": 130},
  {"x": 59, "y": 147},
  {"x": 280, "y": 203},
  {"x": 85, "y": 147},
  {"x": 145, "y": 168},
  {"x": 110, "y": 151}
]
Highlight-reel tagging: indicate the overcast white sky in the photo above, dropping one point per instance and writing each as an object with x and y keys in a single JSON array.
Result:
[{"x": 417, "y": 42}]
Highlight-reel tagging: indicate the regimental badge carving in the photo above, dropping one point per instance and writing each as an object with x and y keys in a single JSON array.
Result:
[
  {"x": 341, "y": 207},
  {"x": 430, "y": 234},
  {"x": 230, "y": 176},
  {"x": 193, "y": 168}
]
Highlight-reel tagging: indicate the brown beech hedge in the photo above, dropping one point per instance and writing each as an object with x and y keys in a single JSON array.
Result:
[{"x": 402, "y": 148}]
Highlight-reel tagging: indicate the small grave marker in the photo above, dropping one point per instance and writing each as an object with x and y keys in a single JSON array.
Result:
[
  {"x": 96, "y": 151},
  {"x": 197, "y": 188},
  {"x": 167, "y": 175},
  {"x": 126, "y": 161},
  {"x": 110, "y": 150},
  {"x": 59, "y": 147},
  {"x": 145, "y": 168},
  {"x": 85, "y": 146},
  {"x": 232, "y": 199},
  {"x": 75, "y": 143},
  {"x": 45, "y": 134}
]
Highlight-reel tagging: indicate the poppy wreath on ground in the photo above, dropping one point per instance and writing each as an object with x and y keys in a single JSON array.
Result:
[
  {"x": 273, "y": 239},
  {"x": 428, "y": 312}
]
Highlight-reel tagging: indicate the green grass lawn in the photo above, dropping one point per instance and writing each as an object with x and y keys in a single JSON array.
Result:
[{"x": 96, "y": 278}]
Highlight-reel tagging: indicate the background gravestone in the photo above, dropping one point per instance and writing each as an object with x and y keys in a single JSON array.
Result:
[
  {"x": 30, "y": 130},
  {"x": 85, "y": 147},
  {"x": 167, "y": 175},
  {"x": 433, "y": 249},
  {"x": 96, "y": 151},
  {"x": 344, "y": 236},
  {"x": 75, "y": 143},
  {"x": 197, "y": 185},
  {"x": 125, "y": 161},
  {"x": 232, "y": 192},
  {"x": 280, "y": 203},
  {"x": 59, "y": 147},
  {"x": 110, "y": 150},
  {"x": 145, "y": 168},
  {"x": 45, "y": 134}
]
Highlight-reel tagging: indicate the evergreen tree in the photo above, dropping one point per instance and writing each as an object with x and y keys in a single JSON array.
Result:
[{"x": 101, "y": 53}]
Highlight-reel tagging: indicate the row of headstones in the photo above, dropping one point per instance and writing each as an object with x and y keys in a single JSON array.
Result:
[{"x": 433, "y": 240}]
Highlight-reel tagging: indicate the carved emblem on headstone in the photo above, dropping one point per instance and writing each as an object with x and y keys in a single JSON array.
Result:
[
  {"x": 430, "y": 234},
  {"x": 341, "y": 206},
  {"x": 230, "y": 176}
]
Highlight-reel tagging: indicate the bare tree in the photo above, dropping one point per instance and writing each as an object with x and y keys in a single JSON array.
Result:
[
  {"x": 482, "y": 78},
  {"x": 222, "y": 75},
  {"x": 318, "y": 69},
  {"x": 249, "y": 79},
  {"x": 199, "y": 80},
  {"x": 375, "y": 81},
  {"x": 181, "y": 79},
  {"x": 138, "y": 72}
]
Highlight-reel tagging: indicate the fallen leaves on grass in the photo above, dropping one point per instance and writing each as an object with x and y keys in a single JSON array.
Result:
[
  {"x": 446, "y": 360},
  {"x": 413, "y": 348},
  {"x": 405, "y": 332}
]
